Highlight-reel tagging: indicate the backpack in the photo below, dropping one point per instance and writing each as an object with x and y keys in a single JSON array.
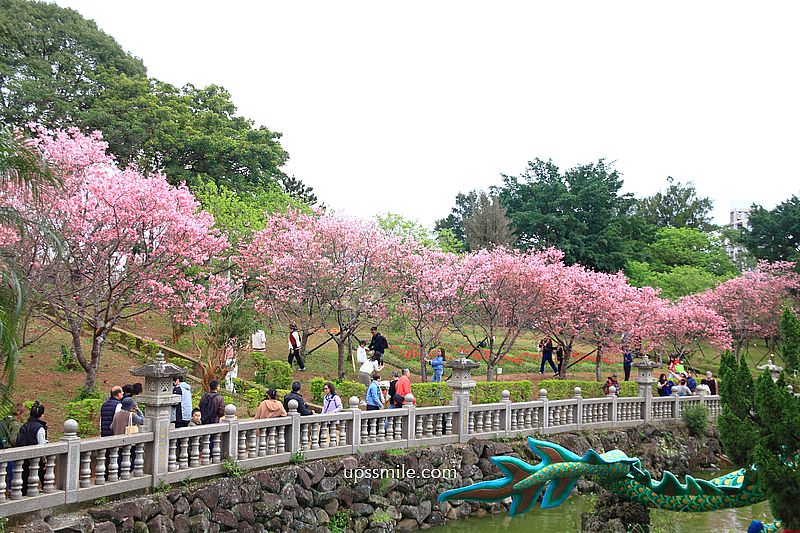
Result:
[
  {"x": 207, "y": 412},
  {"x": 5, "y": 433}
]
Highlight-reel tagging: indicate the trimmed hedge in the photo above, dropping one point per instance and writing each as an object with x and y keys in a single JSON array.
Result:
[
  {"x": 182, "y": 362},
  {"x": 345, "y": 389},
  {"x": 560, "y": 389},
  {"x": 87, "y": 414},
  {"x": 491, "y": 391},
  {"x": 271, "y": 373},
  {"x": 428, "y": 394}
]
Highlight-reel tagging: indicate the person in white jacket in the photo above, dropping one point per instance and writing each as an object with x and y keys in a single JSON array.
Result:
[{"x": 185, "y": 407}]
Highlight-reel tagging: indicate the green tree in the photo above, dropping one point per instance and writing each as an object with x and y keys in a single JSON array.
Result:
[
  {"x": 678, "y": 206},
  {"x": 790, "y": 333},
  {"x": 50, "y": 60},
  {"x": 21, "y": 167},
  {"x": 775, "y": 234},
  {"x": 488, "y": 225},
  {"x": 238, "y": 215},
  {"x": 580, "y": 211},
  {"x": 397, "y": 225},
  {"x": 760, "y": 426},
  {"x": 455, "y": 220},
  {"x": 689, "y": 247}
]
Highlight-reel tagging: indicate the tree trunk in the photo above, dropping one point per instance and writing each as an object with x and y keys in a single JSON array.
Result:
[
  {"x": 565, "y": 363},
  {"x": 490, "y": 370},
  {"x": 423, "y": 353},
  {"x": 738, "y": 350},
  {"x": 340, "y": 349},
  {"x": 94, "y": 365},
  {"x": 304, "y": 336},
  {"x": 597, "y": 360}
]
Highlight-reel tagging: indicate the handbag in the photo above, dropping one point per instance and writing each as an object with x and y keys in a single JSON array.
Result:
[{"x": 131, "y": 427}]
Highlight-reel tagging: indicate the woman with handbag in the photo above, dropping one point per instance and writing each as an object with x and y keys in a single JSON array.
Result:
[{"x": 126, "y": 422}]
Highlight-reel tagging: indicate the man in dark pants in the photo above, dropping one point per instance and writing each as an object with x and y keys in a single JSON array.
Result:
[
  {"x": 378, "y": 344},
  {"x": 546, "y": 345},
  {"x": 294, "y": 347},
  {"x": 627, "y": 361}
]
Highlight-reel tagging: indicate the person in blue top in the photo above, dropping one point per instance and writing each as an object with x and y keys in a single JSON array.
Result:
[
  {"x": 374, "y": 396},
  {"x": 690, "y": 381},
  {"x": 438, "y": 366},
  {"x": 664, "y": 385},
  {"x": 627, "y": 361}
]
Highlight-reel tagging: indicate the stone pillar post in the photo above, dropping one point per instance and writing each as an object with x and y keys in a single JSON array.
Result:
[
  {"x": 410, "y": 433},
  {"x": 578, "y": 393},
  {"x": 644, "y": 378},
  {"x": 69, "y": 465},
  {"x": 292, "y": 412},
  {"x": 612, "y": 393},
  {"x": 230, "y": 446},
  {"x": 157, "y": 401},
  {"x": 462, "y": 384},
  {"x": 506, "y": 401},
  {"x": 355, "y": 431},
  {"x": 545, "y": 409}
]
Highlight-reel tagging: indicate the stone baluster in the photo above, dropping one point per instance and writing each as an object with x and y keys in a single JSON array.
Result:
[
  {"x": 205, "y": 451},
  {"x": 86, "y": 470},
  {"x": 68, "y": 465},
  {"x": 183, "y": 463},
  {"x": 172, "y": 460},
  {"x": 3, "y": 474},
  {"x": 49, "y": 481},
  {"x": 125, "y": 465},
  {"x": 16, "y": 481},
  {"x": 113, "y": 465},
  {"x": 545, "y": 422},
  {"x": 194, "y": 452},
  {"x": 263, "y": 445},
  {"x": 138, "y": 462},
  {"x": 252, "y": 443},
  {"x": 241, "y": 450},
  {"x": 324, "y": 441},
  {"x": 272, "y": 443}
]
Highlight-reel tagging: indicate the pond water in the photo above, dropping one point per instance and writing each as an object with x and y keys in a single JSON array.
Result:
[{"x": 567, "y": 518}]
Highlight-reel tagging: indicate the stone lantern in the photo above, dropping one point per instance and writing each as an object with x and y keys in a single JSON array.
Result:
[
  {"x": 774, "y": 369},
  {"x": 644, "y": 378},
  {"x": 158, "y": 400},
  {"x": 462, "y": 383}
]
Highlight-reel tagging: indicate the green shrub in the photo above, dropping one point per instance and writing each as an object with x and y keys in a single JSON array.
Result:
[
  {"x": 150, "y": 348},
  {"x": 87, "y": 414},
  {"x": 132, "y": 343},
  {"x": 561, "y": 389},
  {"x": 253, "y": 397},
  {"x": 244, "y": 385},
  {"x": 184, "y": 344},
  {"x": 428, "y": 394},
  {"x": 272, "y": 374},
  {"x": 182, "y": 362},
  {"x": 232, "y": 468},
  {"x": 696, "y": 418},
  {"x": 491, "y": 391}
]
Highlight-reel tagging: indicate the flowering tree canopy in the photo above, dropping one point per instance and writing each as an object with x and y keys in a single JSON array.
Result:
[
  {"x": 326, "y": 269},
  {"x": 505, "y": 293},
  {"x": 752, "y": 303},
  {"x": 129, "y": 243}
]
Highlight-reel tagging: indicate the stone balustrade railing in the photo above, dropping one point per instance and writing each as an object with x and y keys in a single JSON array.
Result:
[{"x": 75, "y": 469}]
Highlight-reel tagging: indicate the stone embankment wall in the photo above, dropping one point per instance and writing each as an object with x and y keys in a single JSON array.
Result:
[{"x": 323, "y": 495}]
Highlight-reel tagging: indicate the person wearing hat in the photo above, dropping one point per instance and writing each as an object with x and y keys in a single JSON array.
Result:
[{"x": 125, "y": 417}]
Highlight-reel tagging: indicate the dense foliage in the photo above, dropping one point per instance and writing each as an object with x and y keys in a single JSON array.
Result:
[{"x": 760, "y": 426}]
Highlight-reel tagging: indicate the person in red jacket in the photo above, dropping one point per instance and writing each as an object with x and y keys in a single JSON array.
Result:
[{"x": 403, "y": 385}]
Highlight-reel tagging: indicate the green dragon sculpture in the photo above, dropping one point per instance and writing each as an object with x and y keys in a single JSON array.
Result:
[{"x": 558, "y": 473}]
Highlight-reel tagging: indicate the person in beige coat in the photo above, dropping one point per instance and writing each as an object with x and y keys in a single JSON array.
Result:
[{"x": 270, "y": 407}]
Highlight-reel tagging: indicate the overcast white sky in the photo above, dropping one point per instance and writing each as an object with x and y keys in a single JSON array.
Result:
[{"x": 399, "y": 106}]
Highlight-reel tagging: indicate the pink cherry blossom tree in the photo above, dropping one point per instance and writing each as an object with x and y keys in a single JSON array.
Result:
[
  {"x": 129, "y": 243},
  {"x": 431, "y": 294},
  {"x": 752, "y": 303},
  {"x": 338, "y": 271},
  {"x": 504, "y": 293},
  {"x": 680, "y": 328}
]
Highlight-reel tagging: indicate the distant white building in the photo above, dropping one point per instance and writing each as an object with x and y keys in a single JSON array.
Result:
[{"x": 740, "y": 219}]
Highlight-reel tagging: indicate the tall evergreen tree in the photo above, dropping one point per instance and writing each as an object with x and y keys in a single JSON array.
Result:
[
  {"x": 678, "y": 206},
  {"x": 760, "y": 426},
  {"x": 488, "y": 226},
  {"x": 790, "y": 333}
]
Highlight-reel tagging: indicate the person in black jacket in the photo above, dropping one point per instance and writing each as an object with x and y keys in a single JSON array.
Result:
[
  {"x": 378, "y": 344},
  {"x": 32, "y": 433},
  {"x": 302, "y": 408},
  {"x": 109, "y": 408}
]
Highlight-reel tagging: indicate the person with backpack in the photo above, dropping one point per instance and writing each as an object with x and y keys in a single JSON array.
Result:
[
  {"x": 395, "y": 400},
  {"x": 212, "y": 405},
  {"x": 10, "y": 425},
  {"x": 32, "y": 433},
  {"x": 378, "y": 344}
]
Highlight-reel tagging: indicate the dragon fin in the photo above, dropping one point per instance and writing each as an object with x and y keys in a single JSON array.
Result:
[
  {"x": 551, "y": 453},
  {"x": 515, "y": 470},
  {"x": 558, "y": 491}
]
